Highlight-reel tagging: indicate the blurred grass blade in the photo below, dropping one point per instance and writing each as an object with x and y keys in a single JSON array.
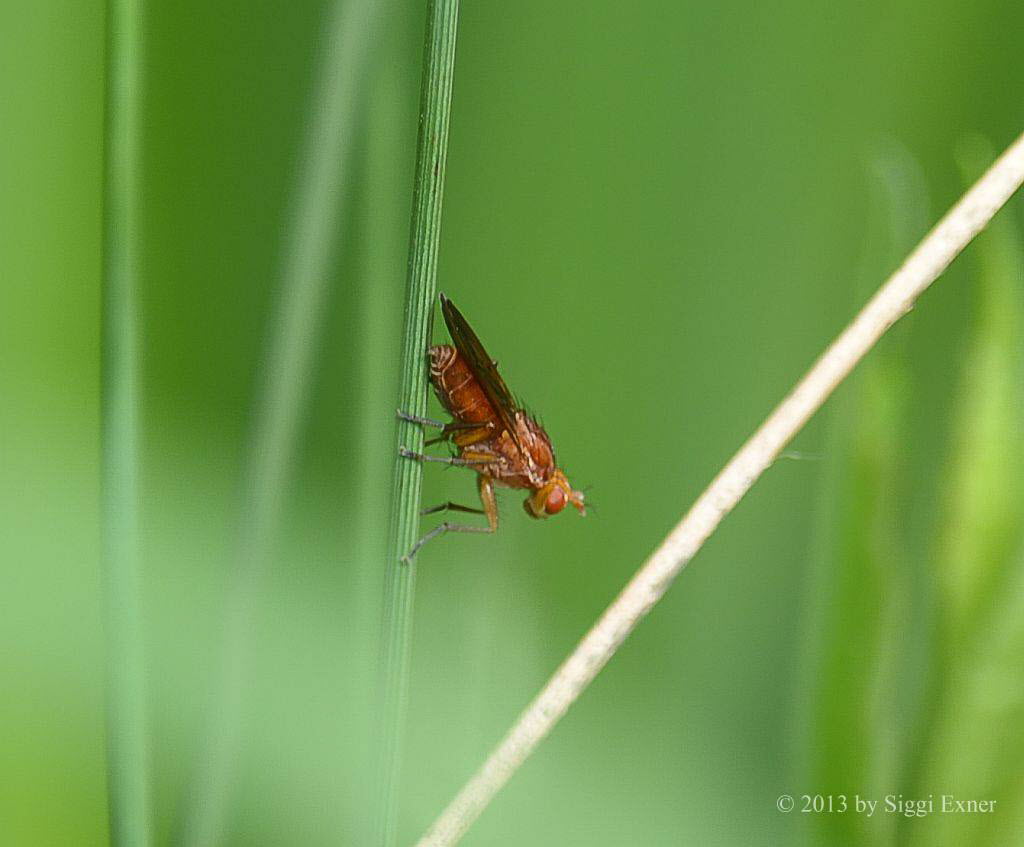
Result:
[
  {"x": 308, "y": 248},
  {"x": 127, "y": 753},
  {"x": 859, "y": 603},
  {"x": 383, "y": 242},
  {"x": 977, "y": 747},
  {"x": 863, "y": 605},
  {"x": 986, "y": 484},
  {"x": 432, "y": 149}
]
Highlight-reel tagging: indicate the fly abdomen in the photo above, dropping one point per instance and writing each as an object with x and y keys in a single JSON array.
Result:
[{"x": 456, "y": 387}]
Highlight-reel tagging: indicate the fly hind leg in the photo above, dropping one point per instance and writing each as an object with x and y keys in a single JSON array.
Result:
[{"x": 490, "y": 509}]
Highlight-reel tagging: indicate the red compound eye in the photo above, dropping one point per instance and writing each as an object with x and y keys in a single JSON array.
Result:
[{"x": 555, "y": 502}]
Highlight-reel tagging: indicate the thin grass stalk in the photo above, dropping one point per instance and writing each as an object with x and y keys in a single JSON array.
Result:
[
  {"x": 310, "y": 243},
  {"x": 126, "y": 736},
  {"x": 400, "y": 578},
  {"x": 893, "y": 300}
]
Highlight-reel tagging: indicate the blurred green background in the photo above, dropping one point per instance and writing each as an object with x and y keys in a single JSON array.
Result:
[{"x": 656, "y": 216}]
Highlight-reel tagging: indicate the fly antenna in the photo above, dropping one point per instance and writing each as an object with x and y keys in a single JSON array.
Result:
[{"x": 591, "y": 506}]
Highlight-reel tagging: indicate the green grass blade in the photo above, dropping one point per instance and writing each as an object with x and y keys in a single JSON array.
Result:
[
  {"x": 432, "y": 148},
  {"x": 127, "y": 754}
]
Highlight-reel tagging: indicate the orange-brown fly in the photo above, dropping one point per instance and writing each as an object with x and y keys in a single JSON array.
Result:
[{"x": 492, "y": 434}]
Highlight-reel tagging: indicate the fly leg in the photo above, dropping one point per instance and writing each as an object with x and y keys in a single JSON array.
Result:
[
  {"x": 444, "y": 460},
  {"x": 462, "y": 433},
  {"x": 439, "y": 531},
  {"x": 416, "y": 419},
  {"x": 490, "y": 508},
  {"x": 448, "y": 430},
  {"x": 471, "y": 434},
  {"x": 451, "y": 507}
]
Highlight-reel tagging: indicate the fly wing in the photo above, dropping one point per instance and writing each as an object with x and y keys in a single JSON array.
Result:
[{"x": 483, "y": 366}]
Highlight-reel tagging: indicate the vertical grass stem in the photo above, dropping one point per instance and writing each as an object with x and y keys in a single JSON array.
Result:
[{"x": 400, "y": 581}]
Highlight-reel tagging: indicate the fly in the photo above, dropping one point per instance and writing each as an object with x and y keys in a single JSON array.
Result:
[{"x": 493, "y": 435}]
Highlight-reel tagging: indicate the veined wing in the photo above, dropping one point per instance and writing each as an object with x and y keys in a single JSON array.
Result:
[{"x": 482, "y": 366}]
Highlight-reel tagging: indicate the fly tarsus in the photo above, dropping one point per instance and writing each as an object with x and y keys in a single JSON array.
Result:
[{"x": 416, "y": 419}]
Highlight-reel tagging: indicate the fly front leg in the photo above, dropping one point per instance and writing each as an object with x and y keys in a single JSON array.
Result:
[
  {"x": 438, "y": 531},
  {"x": 490, "y": 508}
]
